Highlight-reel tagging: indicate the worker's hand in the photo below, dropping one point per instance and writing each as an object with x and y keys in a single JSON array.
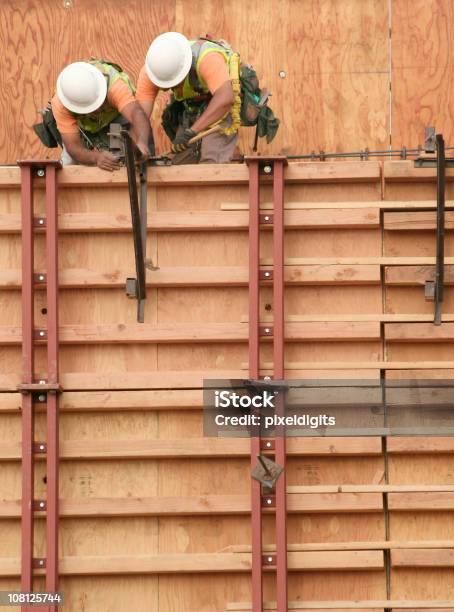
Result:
[
  {"x": 107, "y": 161},
  {"x": 180, "y": 143}
]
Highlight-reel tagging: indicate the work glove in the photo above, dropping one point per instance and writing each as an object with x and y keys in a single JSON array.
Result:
[{"x": 180, "y": 142}]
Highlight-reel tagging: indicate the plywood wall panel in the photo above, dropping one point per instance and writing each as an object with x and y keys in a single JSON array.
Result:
[{"x": 422, "y": 50}]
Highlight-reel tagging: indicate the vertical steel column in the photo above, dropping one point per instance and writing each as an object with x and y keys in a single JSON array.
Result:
[
  {"x": 46, "y": 389},
  {"x": 27, "y": 378},
  {"x": 274, "y": 165},
  {"x": 254, "y": 358},
  {"x": 278, "y": 363},
  {"x": 52, "y": 379}
]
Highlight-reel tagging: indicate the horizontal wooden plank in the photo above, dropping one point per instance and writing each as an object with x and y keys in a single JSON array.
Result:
[
  {"x": 437, "y": 557},
  {"x": 416, "y": 275},
  {"x": 195, "y": 447},
  {"x": 405, "y": 171},
  {"x": 193, "y": 379},
  {"x": 356, "y": 261},
  {"x": 421, "y": 489},
  {"x": 380, "y": 317},
  {"x": 419, "y": 332},
  {"x": 388, "y": 205},
  {"x": 199, "y": 332},
  {"x": 420, "y": 445},
  {"x": 194, "y": 563},
  {"x": 203, "y": 505},
  {"x": 379, "y": 545},
  {"x": 206, "y": 174},
  {"x": 359, "y": 365},
  {"x": 103, "y": 401},
  {"x": 415, "y": 221},
  {"x": 437, "y": 501},
  {"x": 395, "y": 604},
  {"x": 212, "y": 220},
  {"x": 205, "y": 276}
]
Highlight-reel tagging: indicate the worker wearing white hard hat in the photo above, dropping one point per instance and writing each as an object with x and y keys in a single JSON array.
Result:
[
  {"x": 198, "y": 74},
  {"x": 90, "y": 96}
]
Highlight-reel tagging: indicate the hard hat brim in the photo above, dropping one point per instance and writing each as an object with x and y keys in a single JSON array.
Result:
[
  {"x": 84, "y": 109},
  {"x": 167, "y": 84}
]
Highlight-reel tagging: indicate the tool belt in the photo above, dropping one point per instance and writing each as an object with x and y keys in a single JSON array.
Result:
[{"x": 47, "y": 130}]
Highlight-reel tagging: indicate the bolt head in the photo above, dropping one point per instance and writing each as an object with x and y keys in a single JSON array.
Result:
[
  {"x": 268, "y": 501},
  {"x": 41, "y": 504},
  {"x": 267, "y": 330},
  {"x": 267, "y": 218},
  {"x": 41, "y": 562},
  {"x": 42, "y": 334},
  {"x": 42, "y": 398},
  {"x": 41, "y": 221},
  {"x": 41, "y": 446},
  {"x": 42, "y": 382},
  {"x": 282, "y": 74},
  {"x": 270, "y": 559},
  {"x": 267, "y": 273},
  {"x": 267, "y": 169},
  {"x": 268, "y": 444},
  {"x": 40, "y": 172},
  {"x": 267, "y": 378},
  {"x": 41, "y": 277}
]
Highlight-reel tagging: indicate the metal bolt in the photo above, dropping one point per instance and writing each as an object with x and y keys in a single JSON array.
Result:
[
  {"x": 269, "y": 502},
  {"x": 267, "y": 378},
  {"x": 267, "y": 218},
  {"x": 41, "y": 562},
  {"x": 268, "y": 444},
  {"x": 41, "y": 504},
  {"x": 67, "y": 4},
  {"x": 41, "y": 221},
  {"x": 41, "y": 277},
  {"x": 42, "y": 398},
  {"x": 41, "y": 446},
  {"x": 282, "y": 74},
  {"x": 267, "y": 169},
  {"x": 42, "y": 382},
  {"x": 40, "y": 172},
  {"x": 42, "y": 333},
  {"x": 267, "y": 330},
  {"x": 267, "y": 273},
  {"x": 270, "y": 559}
]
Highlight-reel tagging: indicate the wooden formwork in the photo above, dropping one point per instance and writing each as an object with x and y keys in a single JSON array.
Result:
[{"x": 155, "y": 516}]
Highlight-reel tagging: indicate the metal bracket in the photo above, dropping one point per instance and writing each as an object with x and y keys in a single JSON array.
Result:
[
  {"x": 39, "y": 505},
  {"x": 269, "y": 501},
  {"x": 39, "y": 563},
  {"x": 266, "y": 275},
  {"x": 39, "y": 222},
  {"x": 39, "y": 278},
  {"x": 429, "y": 140},
  {"x": 269, "y": 559},
  {"x": 266, "y": 330},
  {"x": 267, "y": 445},
  {"x": 267, "y": 472},
  {"x": 39, "y": 448},
  {"x": 44, "y": 387},
  {"x": 266, "y": 218},
  {"x": 441, "y": 198}
]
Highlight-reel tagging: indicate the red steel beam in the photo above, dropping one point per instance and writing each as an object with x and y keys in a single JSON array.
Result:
[
  {"x": 47, "y": 168},
  {"x": 278, "y": 359},
  {"x": 27, "y": 377},
  {"x": 52, "y": 375},
  {"x": 254, "y": 359}
]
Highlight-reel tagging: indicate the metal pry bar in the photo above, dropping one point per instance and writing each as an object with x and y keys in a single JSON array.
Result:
[
  {"x": 135, "y": 287},
  {"x": 441, "y": 198}
]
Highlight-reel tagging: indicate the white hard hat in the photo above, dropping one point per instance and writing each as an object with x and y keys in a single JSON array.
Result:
[
  {"x": 81, "y": 87},
  {"x": 168, "y": 60}
]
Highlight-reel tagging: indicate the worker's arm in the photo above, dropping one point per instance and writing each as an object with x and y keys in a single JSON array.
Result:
[
  {"x": 219, "y": 105},
  {"x": 140, "y": 126},
  {"x": 146, "y": 92},
  {"x": 102, "y": 159},
  {"x": 147, "y": 106}
]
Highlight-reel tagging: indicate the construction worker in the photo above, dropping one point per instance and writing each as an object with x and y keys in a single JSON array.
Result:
[
  {"x": 199, "y": 73},
  {"x": 90, "y": 96}
]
